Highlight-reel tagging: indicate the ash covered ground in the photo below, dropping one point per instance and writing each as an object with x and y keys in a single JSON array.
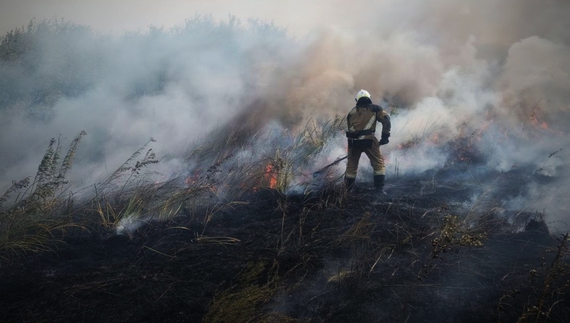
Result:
[{"x": 424, "y": 253}]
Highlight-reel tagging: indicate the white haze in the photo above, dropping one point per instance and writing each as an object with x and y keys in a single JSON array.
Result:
[{"x": 500, "y": 69}]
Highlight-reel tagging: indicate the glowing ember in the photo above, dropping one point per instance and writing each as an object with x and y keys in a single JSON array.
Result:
[{"x": 193, "y": 178}]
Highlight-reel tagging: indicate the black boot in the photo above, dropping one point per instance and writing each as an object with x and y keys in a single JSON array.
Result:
[
  {"x": 379, "y": 183},
  {"x": 349, "y": 182}
]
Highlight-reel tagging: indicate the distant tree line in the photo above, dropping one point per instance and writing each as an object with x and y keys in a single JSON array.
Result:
[{"x": 51, "y": 59}]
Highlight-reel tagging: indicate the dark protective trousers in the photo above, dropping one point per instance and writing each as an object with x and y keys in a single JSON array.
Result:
[{"x": 371, "y": 148}]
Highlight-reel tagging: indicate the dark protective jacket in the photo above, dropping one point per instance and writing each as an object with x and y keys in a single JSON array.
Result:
[{"x": 361, "y": 120}]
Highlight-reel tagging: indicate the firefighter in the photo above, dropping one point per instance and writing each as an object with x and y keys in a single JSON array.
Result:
[{"x": 361, "y": 123}]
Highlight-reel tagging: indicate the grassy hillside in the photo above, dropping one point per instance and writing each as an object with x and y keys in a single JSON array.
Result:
[{"x": 218, "y": 217}]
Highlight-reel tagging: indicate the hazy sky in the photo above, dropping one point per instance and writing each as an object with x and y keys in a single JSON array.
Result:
[{"x": 118, "y": 16}]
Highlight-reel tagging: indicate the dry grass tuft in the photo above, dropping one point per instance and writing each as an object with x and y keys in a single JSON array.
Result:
[
  {"x": 241, "y": 302},
  {"x": 35, "y": 216},
  {"x": 552, "y": 289}
]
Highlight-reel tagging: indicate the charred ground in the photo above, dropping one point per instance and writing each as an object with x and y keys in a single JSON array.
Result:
[
  {"x": 226, "y": 227},
  {"x": 416, "y": 255}
]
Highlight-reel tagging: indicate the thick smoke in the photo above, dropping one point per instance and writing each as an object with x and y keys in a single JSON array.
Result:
[
  {"x": 496, "y": 72},
  {"x": 173, "y": 85}
]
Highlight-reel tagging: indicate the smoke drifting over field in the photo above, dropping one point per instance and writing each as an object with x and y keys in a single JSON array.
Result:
[{"x": 497, "y": 73}]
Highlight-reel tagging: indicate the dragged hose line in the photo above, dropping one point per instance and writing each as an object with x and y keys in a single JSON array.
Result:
[{"x": 320, "y": 171}]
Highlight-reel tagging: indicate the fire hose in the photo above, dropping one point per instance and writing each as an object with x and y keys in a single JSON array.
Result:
[{"x": 320, "y": 171}]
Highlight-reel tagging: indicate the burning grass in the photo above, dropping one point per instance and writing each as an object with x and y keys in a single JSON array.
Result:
[
  {"x": 231, "y": 242},
  {"x": 242, "y": 232}
]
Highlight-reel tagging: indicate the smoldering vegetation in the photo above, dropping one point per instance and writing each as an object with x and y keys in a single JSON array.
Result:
[{"x": 179, "y": 181}]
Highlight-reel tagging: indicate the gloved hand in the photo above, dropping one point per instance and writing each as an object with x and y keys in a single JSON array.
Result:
[{"x": 384, "y": 139}]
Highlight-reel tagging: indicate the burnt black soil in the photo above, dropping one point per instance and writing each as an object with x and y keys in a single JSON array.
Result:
[{"x": 324, "y": 257}]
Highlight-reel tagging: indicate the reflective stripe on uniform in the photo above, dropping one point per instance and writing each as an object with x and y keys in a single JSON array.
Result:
[
  {"x": 380, "y": 172},
  {"x": 370, "y": 123}
]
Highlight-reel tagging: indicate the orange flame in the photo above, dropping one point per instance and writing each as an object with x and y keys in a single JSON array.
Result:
[
  {"x": 193, "y": 178},
  {"x": 537, "y": 120},
  {"x": 270, "y": 176}
]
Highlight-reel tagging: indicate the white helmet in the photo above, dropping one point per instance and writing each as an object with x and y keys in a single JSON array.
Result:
[{"x": 361, "y": 94}]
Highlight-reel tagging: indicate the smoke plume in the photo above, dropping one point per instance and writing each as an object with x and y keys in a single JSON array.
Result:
[{"x": 497, "y": 73}]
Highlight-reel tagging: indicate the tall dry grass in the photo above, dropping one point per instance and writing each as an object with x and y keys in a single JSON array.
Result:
[{"x": 32, "y": 213}]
